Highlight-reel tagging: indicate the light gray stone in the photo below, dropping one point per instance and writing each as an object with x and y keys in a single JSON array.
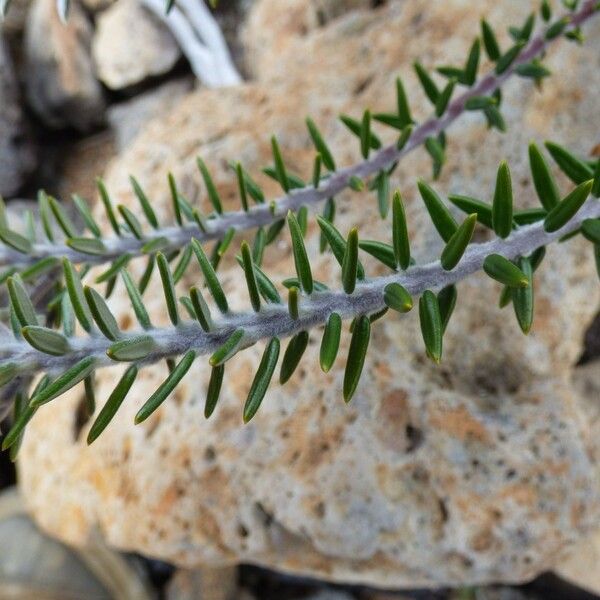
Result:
[
  {"x": 131, "y": 45},
  {"x": 59, "y": 74}
]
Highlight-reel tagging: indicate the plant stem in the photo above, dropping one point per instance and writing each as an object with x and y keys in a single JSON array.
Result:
[
  {"x": 336, "y": 182},
  {"x": 274, "y": 320}
]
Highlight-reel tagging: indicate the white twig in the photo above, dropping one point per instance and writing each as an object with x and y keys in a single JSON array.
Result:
[{"x": 201, "y": 40}]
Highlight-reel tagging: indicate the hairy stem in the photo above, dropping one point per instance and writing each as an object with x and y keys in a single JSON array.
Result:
[
  {"x": 275, "y": 321},
  {"x": 330, "y": 186}
]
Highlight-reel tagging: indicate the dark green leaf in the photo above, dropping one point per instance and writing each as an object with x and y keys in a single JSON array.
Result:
[
  {"x": 357, "y": 352},
  {"x": 397, "y": 298},
  {"x": 472, "y": 64},
  {"x": 61, "y": 217},
  {"x": 182, "y": 264},
  {"x": 293, "y": 299},
  {"x": 533, "y": 70},
  {"x": 320, "y": 145},
  {"x": 556, "y": 28},
  {"x": 437, "y": 153},
  {"x": 292, "y": 356},
  {"x": 382, "y": 252},
  {"x": 429, "y": 87},
  {"x": 365, "y": 134},
  {"x": 522, "y": 298},
  {"x": 502, "y": 207},
  {"x": 214, "y": 389},
  {"x": 403, "y": 106},
  {"x": 544, "y": 183},
  {"x": 144, "y": 202},
  {"x": 7, "y": 373},
  {"x": 261, "y": 381},
  {"x": 134, "y": 226},
  {"x": 104, "y": 318},
  {"x": 78, "y": 301},
  {"x": 201, "y": 310},
  {"x": 471, "y": 205},
  {"x": 15, "y": 240},
  {"x": 574, "y": 168},
  {"x": 112, "y": 404},
  {"x": 447, "y": 302},
  {"x": 211, "y": 190},
  {"x": 444, "y": 98},
  {"x": 274, "y": 231},
  {"x": 356, "y": 128},
  {"x": 442, "y": 219},
  {"x": 136, "y": 301},
  {"x": 480, "y": 102},
  {"x": 170, "y": 383},
  {"x": 494, "y": 118},
  {"x": 291, "y": 282},
  {"x": 45, "y": 215},
  {"x": 64, "y": 382},
  {"x": 108, "y": 207},
  {"x": 489, "y": 41},
  {"x": 431, "y": 325},
  {"x": 212, "y": 281},
  {"x": 328, "y": 215},
  {"x": 457, "y": 244},
  {"x": 591, "y": 230},
  {"x": 20, "y": 302},
  {"x": 168, "y": 288},
  {"x": 401, "y": 242},
  {"x": 562, "y": 213},
  {"x": 596, "y": 185},
  {"x": 331, "y": 342},
  {"x": 46, "y": 340},
  {"x": 404, "y": 137},
  {"x": 280, "y": 169},
  {"x": 504, "y": 271},
  {"x": 383, "y": 193},
  {"x": 241, "y": 186},
  {"x": 508, "y": 57},
  {"x": 92, "y": 246},
  {"x": 248, "y": 266},
  {"x": 300, "y": 256},
  {"x": 132, "y": 349},
  {"x": 228, "y": 349},
  {"x": 529, "y": 215},
  {"x": 350, "y": 262},
  {"x": 316, "y": 176}
]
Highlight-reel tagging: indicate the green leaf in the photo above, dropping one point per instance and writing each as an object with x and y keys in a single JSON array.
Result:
[
  {"x": 494, "y": 118},
  {"x": 329, "y": 216},
  {"x": 596, "y": 184},
  {"x": 447, "y": 301},
  {"x": 384, "y": 253},
  {"x": 211, "y": 190},
  {"x": 64, "y": 382},
  {"x": 46, "y": 340},
  {"x": 444, "y": 98},
  {"x": 20, "y": 302},
  {"x": 472, "y": 64},
  {"x": 522, "y": 298},
  {"x": 404, "y": 137},
  {"x": 182, "y": 264},
  {"x": 136, "y": 301},
  {"x": 429, "y": 87},
  {"x": 16, "y": 241},
  {"x": 131, "y": 349},
  {"x": 104, "y": 318},
  {"x": 300, "y": 256},
  {"x": 292, "y": 356},
  {"x": 214, "y": 389},
  {"x": 357, "y": 352},
  {"x": 480, "y": 102},
  {"x": 533, "y": 70},
  {"x": 442, "y": 220},
  {"x": 293, "y": 301},
  {"x": 7, "y": 373},
  {"x": 280, "y": 169},
  {"x": 144, "y": 202},
  {"x": 165, "y": 388},
  {"x": 489, "y": 41},
  {"x": 75, "y": 290},
  {"x": 350, "y": 262},
  {"x": 331, "y": 342},
  {"x": 92, "y": 246},
  {"x": 544, "y": 183},
  {"x": 320, "y": 145},
  {"x": 431, "y": 325},
  {"x": 403, "y": 106},
  {"x": 508, "y": 58},
  {"x": 472, "y": 205},
  {"x": 228, "y": 349},
  {"x": 574, "y": 168},
  {"x": 557, "y": 28},
  {"x": 61, "y": 217},
  {"x": 108, "y": 207},
  {"x": 457, "y": 244},
  {"x": 134, "y": 226},
  {"x": 504, "y": 271},
  {"x": 401, "y": 242},
  {"x": 249, "y": 273},
  {"x": 316, "y": 176},
  {"x": 210, "y": 276},
  {"x": 168, "y": 287},
  {"x": 261, "y": 381},
  {"x": 437, "y": 153},
  {"x": 397, "y": 298},
  {"x": 502, "y": 207},
  {"x": 356, "y": 128},
  {"x": 274, "y": 231},
  {"x": 383, "y": 193},
  {"x": 175, "y": 199},
  {"x": 201, "y": 310},
  {"x": 562, "y": 213},
  {"x": 529, "y": 215},
  {"x": 109, "y": 410},
  {"x": 291, "y": 282},
  {"x": 45, "y": 215},
  {"x": 591, "y": 230},
  {"x": 546, "y": 10},
  {"x": 365, "y": 134}
]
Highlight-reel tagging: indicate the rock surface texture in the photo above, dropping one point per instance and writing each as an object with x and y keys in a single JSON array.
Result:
[
  {"x": 16, "y": 153},
  {"x": 479, "y": 470},
  {"x": 60, "y": 81},
  {"x": 131, "y": 45}
]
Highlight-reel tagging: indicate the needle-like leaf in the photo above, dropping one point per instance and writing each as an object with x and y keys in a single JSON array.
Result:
[
  {"x": 46, "y": 340},
  {"x": 300, "y": 256},
  {"x": 261, "y": 381},
  {"x": 457, "y": 244},
  {"x": 104, "y": 318},
  {"x": 563, "y": 212},
  {"x": 502, "y": 207},
  {"x": 357, "y": 352},
  {"x": 442, "y": 219},
  {"x": 397, "y": 298},
  {"x": 504, "y": 271},
  {"x": 210, "y": 276},
  {"x": 331, "y": 342},
  {"x": 228, "y": 349},
  {"x": 249, "y": 273},
  {"x": 574, "y": 168},
  {"x": 431, "y": 325},
  {"x": 350, "y": 262},
  {"x": 522, "y": 298},
  {"x": 320, "y": 145},
  {"x": 211, "y": 190},
  {"x": 292, "y": 356}
]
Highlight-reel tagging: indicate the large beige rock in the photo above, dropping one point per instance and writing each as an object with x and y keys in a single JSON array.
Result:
[
  {"x": 479, "y": 470},
  {"x": 131, "y": 45}
]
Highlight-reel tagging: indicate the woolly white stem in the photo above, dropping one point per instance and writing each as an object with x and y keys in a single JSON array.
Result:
[
  {"x": 274, "y": 320},
  {"x": 200, "y": 39}
]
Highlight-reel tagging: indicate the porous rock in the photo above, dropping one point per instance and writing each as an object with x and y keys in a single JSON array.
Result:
[
  {"x": 131, "y": 45},
  {"x": 59, "y": 74},
  {"x": 17, "y": 158},
  {"x": 479, "y": 470}
]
